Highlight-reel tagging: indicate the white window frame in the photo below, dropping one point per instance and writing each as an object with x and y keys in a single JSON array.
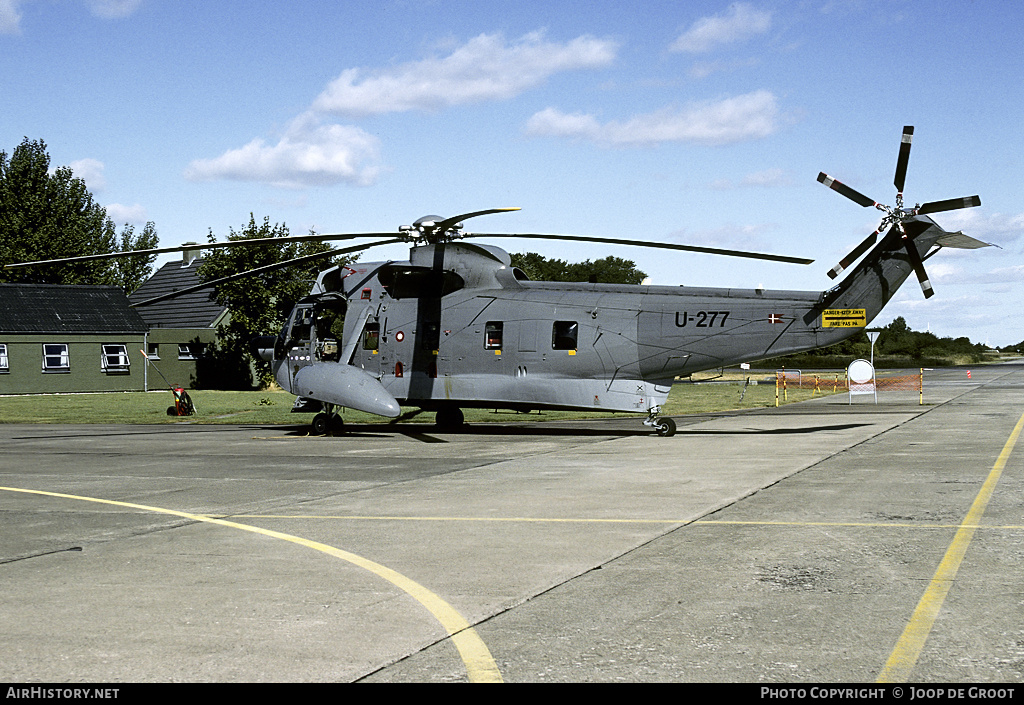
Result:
[
  {"x": 114, "y": 358},
  {"x": 61, "y": 353},
  {"x": 153, "y": 352},
  {"x": 5, "y": 361}
]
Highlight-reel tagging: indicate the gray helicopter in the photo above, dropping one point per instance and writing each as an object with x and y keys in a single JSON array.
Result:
[{"x": 456, "y": 326}]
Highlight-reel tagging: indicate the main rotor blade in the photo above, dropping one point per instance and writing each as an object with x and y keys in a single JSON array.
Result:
[
  {"x": 854, "y": 255},
  {"x": 901, "y": 161},
  {"x": 949, "y": 205},
  {"x": 918, "y": 265},
  {"x": 263, "y": 270},
  {"x": 838, "y": 186},
  {"x": 644, "y": 243},
  {"x": 204, "y": 246},
  {"x": 447, "y": 223}
]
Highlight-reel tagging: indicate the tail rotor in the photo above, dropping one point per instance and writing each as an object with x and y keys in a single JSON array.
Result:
[{"x": 895, "y": 217}]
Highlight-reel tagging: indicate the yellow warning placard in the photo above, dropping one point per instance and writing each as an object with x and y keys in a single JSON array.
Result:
[{"x": 844, "y": 318}]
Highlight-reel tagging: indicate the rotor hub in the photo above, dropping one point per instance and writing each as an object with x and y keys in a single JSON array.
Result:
[{"x": 432, "y": 229}]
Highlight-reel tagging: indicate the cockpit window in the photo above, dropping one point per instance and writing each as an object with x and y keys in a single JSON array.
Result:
[{"x": 302, "y": 323}]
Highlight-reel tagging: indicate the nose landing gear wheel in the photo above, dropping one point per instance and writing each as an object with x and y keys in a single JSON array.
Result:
[
  {"x": 327, "y": 424},
  {"x": 321, "y": 424}
]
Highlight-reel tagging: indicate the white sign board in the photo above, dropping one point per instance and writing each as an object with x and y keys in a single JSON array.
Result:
[{"x": 861, "y": 377}]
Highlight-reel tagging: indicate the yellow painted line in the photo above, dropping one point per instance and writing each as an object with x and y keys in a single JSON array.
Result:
[
  {"x": 670, "y": 522},
  {"x": 480, "y": 666},
  {"x": 904, "y": 657}
]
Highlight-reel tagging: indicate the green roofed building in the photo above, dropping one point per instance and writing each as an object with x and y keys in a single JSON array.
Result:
[
  {"x": 64, "y": 338},
  {"x": 181, "y": 330}
]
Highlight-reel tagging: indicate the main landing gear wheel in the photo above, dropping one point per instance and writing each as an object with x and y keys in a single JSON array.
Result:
[
  {"x": 665, "y": 426},
  {"x": 449, "y": 419}
]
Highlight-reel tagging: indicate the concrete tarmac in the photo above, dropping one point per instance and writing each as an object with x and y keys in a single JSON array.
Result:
[{"x": 790, "y": 545}]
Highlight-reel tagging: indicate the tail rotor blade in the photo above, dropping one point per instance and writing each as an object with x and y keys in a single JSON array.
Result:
[
  {"x": 949, "y": 205},
  {"x": 901, "y": 162},
  {"x": 918, "y": 265},
  {"x": 838, "y": 186},
  {"x": 854, "y": 255}
]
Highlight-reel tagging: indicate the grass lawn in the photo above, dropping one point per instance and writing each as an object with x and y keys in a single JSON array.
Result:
[{"x": 274, "y": 407}]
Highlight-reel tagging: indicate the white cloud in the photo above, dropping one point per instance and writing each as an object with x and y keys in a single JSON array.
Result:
[
  {"x": 10, "y": 17},
  {"x": 1014, "y": 274},
  {"x": 769, "y": 178},
  {"x": 122, "y": 214},
  {"x": 745, "y": 117},
  {"x": 113, "y": 9},
  {"x": 739, "y": 22},
  {"x": 752, "y": 238},
  {"x": 997, "y": 228},
  {"x": 308, "y": 154},
  {"x": 703, "y": 69},
  {"x": 485, "y": 68},
  {"x": 91, "y": 172},
  {"x": 10, "y": 14}
]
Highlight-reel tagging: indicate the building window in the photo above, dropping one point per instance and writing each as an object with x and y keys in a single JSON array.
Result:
[
  {"x": 564, "y": 335},
  {"x": 153, "y": 351},
  {"x": 114, "y": 358},
  {"x": 493, "y": 334},
  {"x": 56, "y": 358},
  {"x": 191, "y": 351},
  {"x": 5, "y": 366}
]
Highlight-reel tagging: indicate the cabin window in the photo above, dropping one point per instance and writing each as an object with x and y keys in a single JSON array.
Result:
[
  {"x": 430, "y": 335},
  {"x": 114, "y": 358},
  {"x": 493, "y": 332},
  {"x": 371, "y": 336},
  {"x": 5, "y": 366},
  {"x": 153, "y": 351},
  {"x": 56, "y": 358},
  {"x": 564, "y": 335}
]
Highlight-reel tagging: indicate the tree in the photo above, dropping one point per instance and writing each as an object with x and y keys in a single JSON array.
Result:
[
  {"x": 258, "y": 305},
  {"x": 130, "y": 272},
  {"x": 47, "y": 215},
  {"x": 609, "y": 270}
]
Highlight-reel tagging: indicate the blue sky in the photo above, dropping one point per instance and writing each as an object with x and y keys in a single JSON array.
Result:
[{"x": 699, "y": 123}]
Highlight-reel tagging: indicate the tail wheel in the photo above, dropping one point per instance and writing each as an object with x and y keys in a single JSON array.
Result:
[{"x": 665, "y": 426}]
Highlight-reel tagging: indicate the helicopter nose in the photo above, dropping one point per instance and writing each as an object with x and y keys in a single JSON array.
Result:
[{"x": 345, "y": 385}]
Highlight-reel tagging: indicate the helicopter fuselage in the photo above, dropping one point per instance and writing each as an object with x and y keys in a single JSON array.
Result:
[{"x": 457, "y": 326}]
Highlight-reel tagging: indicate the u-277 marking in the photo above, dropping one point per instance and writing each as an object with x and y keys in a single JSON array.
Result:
[{"x": 701, "y": 319}]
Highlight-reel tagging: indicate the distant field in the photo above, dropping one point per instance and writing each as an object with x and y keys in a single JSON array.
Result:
[{"x": 274, "y": 407}]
